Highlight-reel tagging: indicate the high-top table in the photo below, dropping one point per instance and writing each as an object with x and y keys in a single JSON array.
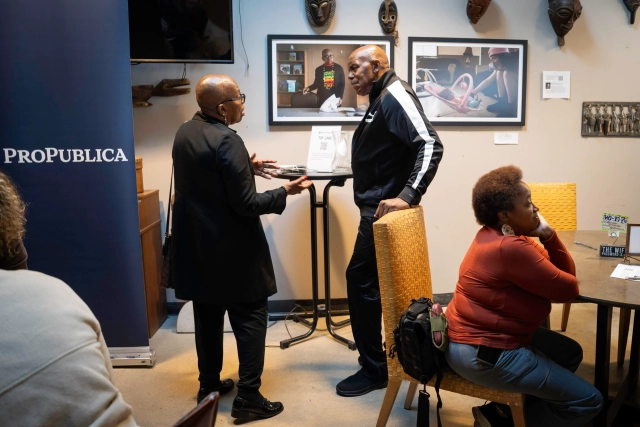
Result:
[
  {"x": 335, "y": 180},
  {"x": 596, "y": 286}
]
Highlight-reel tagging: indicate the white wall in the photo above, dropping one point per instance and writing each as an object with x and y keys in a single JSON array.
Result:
[{"x": 601, "y": 52}]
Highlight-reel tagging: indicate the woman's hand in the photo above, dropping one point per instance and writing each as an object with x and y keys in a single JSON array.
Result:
[
  {"x": 260, "y": 167},
  {"x": 544, "y": 231}
]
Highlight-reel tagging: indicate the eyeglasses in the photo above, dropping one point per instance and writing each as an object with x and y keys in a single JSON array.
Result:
[
  {"x": 242, "y": 98},
  {"x": 328, "y": 56}
]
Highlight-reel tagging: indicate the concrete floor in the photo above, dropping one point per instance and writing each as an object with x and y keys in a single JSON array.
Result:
[{"x": 304, "y": 377}]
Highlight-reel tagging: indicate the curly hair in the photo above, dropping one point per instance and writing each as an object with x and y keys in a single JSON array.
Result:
[
  {"x": 494, "y": 192},
  {"x": 12, "y": 217}
]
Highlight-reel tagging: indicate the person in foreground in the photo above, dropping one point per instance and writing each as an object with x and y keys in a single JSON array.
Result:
[
  {"x": 395, "y": 155},
  {"x": 220, "y": 259},
  {"x": 55, "y": 367},
  {"x": 505, "y": 287}
]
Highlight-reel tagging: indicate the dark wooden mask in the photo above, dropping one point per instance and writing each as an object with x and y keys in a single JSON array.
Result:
[
  {"x": 320, "y": 12},
  {"x": 476, "y": 8},
  {"x": 632, "y": 5},
  {"x": 563, "y": 14}
]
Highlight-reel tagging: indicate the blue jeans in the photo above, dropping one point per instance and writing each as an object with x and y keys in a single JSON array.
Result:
[{"x": 544, "y": 371}]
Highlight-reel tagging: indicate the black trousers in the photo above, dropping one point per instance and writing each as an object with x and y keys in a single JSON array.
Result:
[
  {"x": 249, "y": 324},
  {"x": 365, "y": 308}
]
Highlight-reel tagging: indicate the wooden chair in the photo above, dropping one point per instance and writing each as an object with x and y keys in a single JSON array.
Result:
[
  {"x": 404, "y": 274},
  {"x": 203, "y": 415},
  {"x": 557, "y": 203},
  {"x": 298, "y": 100}
]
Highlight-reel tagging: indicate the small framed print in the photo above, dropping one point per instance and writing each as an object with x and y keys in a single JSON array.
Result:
[{"x": 633, "y": 239}]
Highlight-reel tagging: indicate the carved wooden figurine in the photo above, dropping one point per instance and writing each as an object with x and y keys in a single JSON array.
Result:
[
  {"x": 476, "y": 8},
  {"x": 632, "y": 5},
  {"x": 563, "y": 14},
  {"x": 320, "y": 12},
  {"x": 167, "y": 87}
]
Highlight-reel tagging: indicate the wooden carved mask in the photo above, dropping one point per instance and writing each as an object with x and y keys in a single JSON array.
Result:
[
  {"x": 388, "y": 18},
  {"x": 632, "y": 5},
  {"x": 563, "y": 14},
  {"x": 476, "y": 8},
  {"x": 320, "y": 12}
]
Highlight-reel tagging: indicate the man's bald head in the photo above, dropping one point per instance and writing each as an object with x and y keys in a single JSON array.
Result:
[
  {"x": 366, "y": 65},
  {"x": 212, "y": 89},
  {"x": 372, "y": 53}
]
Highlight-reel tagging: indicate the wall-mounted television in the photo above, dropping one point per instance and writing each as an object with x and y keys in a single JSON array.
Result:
[{"x": 181, "y": 31}]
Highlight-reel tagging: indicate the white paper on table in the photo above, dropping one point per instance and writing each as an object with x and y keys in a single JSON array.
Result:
[
  {"x": 321, "y": 148},
  {"x": 330, "y": 105},
  {"x": 623, "y": 271},
  {"x": 556, "y": 84}
]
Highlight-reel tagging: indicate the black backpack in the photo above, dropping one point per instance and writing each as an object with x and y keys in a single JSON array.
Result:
[{"x": 417, "y": 353}]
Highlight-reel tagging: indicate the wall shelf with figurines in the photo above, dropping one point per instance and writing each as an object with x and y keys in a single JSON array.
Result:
[{"x": 611, "y": 119}]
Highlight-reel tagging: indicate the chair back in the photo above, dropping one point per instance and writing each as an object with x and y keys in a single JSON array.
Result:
[
  {"x": 403, "y": 269},
  {"x": 298, "y": 100},
  {"x": 557, "y": 203},
  {"x": 203, "y": 415}
]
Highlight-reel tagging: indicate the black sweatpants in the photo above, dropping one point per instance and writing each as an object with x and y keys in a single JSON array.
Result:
[
  {"x": 249, "y": 324},
  {"x": 365, "y": 308}
]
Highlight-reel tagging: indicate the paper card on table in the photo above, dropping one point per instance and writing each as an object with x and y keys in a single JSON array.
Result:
[
  {"x": 624, "y": 271},
  {"x": 556, "y": 84},
  {"x": 321, "y": 148},
  {"x": 614, "y": 222}
]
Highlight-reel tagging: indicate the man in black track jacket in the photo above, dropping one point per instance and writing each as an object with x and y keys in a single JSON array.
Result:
[{"x": 395, "y": 155}]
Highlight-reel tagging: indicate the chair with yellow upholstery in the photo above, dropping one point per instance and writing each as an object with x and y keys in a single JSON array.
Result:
[
  {"x": 557, "y": 203},
  {"x": 404, "y": 274}
]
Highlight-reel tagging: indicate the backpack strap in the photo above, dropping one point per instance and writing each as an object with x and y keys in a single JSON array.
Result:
[{"x": 438, "y": 381}]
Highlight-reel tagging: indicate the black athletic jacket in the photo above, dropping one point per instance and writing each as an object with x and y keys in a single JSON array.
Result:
[{"x": 395, "y": 150}]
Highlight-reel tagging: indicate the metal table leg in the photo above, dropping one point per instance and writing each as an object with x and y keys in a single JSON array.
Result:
[
  {"x": 327, "y": 280},
  {"x": 314, "y": 274},
  {"x": 603, "y": 349}
]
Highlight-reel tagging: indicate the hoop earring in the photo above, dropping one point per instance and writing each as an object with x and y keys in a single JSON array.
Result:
[
  {"x": 225, "y": 119},
  {"x": 507, "y": 230}
]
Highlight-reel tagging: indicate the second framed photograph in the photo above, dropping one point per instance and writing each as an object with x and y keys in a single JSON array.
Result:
[
  {"x": 470, "y": 82},
  {"x": 308, "y": 79}
]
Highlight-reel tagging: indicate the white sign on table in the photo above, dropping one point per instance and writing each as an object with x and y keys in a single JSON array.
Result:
[{"x": 321, "y": 148}]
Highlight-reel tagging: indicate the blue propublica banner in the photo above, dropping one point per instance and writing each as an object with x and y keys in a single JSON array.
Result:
[{"x": 66, "y": 139}]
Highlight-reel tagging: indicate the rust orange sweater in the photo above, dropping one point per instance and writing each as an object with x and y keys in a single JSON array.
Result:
[{"x": 505, "y": 288}]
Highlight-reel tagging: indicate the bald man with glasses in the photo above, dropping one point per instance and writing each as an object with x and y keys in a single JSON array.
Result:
[{"x": 329, "y": 79}]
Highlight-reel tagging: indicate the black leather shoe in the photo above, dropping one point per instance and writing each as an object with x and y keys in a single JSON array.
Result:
[
  {"x": 242, "y": 408},
  {"x": 359, "y": 384},
  {"x": 225, "y": 387}
]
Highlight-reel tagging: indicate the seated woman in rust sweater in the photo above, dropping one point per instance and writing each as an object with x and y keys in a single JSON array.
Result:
[{"x": 505, "y": 287}]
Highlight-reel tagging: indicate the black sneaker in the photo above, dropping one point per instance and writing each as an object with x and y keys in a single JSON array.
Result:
[
  {"x": 359, "y": 384},
  {"x": 225, "y": 386},
  {"x": 492, "y": 415}
]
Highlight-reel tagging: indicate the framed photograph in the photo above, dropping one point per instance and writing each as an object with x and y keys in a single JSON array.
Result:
[
  {"x": 633, "y": 239},
  {"x": 315, "y": 89},
  {"x": 470, "y": 82}
]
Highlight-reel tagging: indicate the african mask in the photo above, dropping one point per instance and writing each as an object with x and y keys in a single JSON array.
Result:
[
  {"x": 320, "y": 12},
  {"x": 562, "y": 14},
  {"x": 477, "y": 8},
  {"x": 632, "y": 5},
  {"x": 388, "y": 18}
]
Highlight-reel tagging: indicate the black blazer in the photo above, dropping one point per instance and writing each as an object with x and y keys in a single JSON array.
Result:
[{"x": 219, "y": 252}]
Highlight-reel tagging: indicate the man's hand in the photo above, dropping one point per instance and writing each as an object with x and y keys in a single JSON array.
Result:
[
  {"x": 339, "y": 102},
  {"x": 297, "y": 186},
  {"x": 261, "y": 166},
  {"x": 390, "y": 205},
  {"x": 305, "y": 90}
]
